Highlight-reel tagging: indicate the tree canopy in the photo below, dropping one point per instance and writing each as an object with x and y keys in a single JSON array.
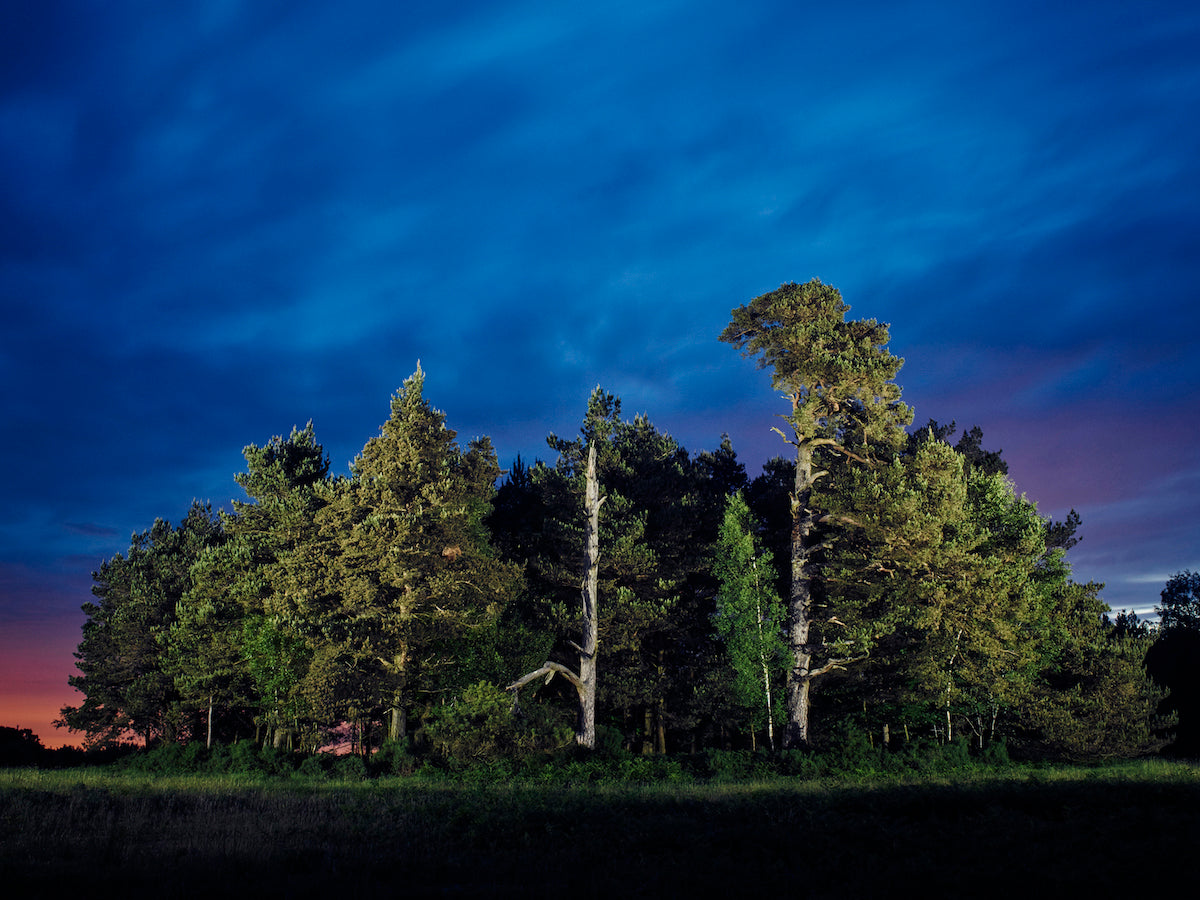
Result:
[{"x": 660, "y": 597}]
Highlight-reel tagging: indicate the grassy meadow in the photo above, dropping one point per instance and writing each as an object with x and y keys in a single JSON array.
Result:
[{"x": 1109, "y": 830}]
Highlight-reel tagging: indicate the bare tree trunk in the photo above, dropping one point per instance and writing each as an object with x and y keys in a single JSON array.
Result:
[
  {"x": 586, "y": 735},
  {"x": 208, "y": 741},
  {"x": 585, "y": 681}
]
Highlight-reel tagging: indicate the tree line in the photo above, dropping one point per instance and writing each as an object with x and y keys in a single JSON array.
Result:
[{"x": 877, "y": 578}]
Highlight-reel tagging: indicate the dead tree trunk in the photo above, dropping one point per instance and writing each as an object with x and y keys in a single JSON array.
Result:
[{"x": 585, "y": 681}]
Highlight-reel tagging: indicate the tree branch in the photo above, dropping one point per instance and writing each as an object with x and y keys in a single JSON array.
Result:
[
  {"x": 836, "y": 664},
  {"x": 548, "y": 668}
]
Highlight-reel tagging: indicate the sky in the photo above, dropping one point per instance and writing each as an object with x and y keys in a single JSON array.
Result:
[{"x": 220, "y": 219}]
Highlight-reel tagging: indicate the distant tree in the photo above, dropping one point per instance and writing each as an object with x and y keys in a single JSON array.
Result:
[
  {"x": 1173, "y": 661},
  {"x": 125, "y": 676},
  {"x": 1180, "y": 605},
  {"x": 838, "y": 378},
  {"x": 1127, "y": 623},
  {"x": 989, "y": 462},
  {"x": 20, "y": 747},
  {"x": 244, "y": 623}
]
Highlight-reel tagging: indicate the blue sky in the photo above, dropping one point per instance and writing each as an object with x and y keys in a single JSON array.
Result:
[{"x": 222, "y": 219}]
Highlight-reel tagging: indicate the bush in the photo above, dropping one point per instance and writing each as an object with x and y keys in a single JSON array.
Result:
[
  {"x": 996, "y": 753},
  {"x": 315, "y": 767},
  {"x": 802, "y": 764},
  {"x": 852, "y": 754},
  {"x": 736, "y": 765},
  {"x": 482, "y": 726},
  {"x": 244, "y": 759},
  {"x": 394, "y": 758},
  {"x": 350, "y": 768},
  {"x": 610, "y": 743},
  {"x": 219, "y": 760}
]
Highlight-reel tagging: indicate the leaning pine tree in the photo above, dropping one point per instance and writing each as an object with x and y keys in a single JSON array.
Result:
[{"x": 838, "y": 377}]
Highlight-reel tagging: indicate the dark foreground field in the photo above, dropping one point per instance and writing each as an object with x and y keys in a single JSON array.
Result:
[{"x": 1133, "y": 830}]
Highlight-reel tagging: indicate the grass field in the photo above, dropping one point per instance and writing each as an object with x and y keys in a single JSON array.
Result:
[{"x": 1114, "y": 831}]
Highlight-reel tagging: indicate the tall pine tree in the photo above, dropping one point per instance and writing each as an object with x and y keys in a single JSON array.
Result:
[{"x": 838, "y": 379}]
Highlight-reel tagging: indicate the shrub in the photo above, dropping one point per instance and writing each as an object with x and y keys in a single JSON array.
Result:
[
  {"x": 852, "y": 754},
  {"x": 315, "y": 767},
  {"x": 394, "y": 758},
  {"x": 219, "y": 760},
  {"x": 244, "y": 759},
  {"x": 996, "y": 753},
  {"x": 482, "y": 726},
  {"x": 350, "y": 768}
]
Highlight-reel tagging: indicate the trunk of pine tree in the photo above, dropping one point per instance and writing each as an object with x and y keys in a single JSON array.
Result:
[
  {"x": 398, "y": 724},
  {"x": 586, "y": 733},
  {"x": 398, "y": 715},
  {"x": 799, "y": 677},
  {"x": 660, "y": 733}
]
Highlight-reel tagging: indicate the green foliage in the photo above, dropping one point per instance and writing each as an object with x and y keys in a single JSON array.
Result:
[
  {"x": 123, "y": 657},
  {"x": 1180, "y": 604},
  {"x": 660, "y": 515},
  {"x": 1173, "y": 661},
  {"x": 837, "y": 373},
  {"x": 482, "y": 725},
  {"x": 405, "y": 542},
  {"x": 395, "y": 758},
  {"x": 373, "y": 598},
  {"x": 749, "y": 615},
  {"x": 838, "y": 378},
  {"x": 316, "y": 767},
  {"x": 350, "y": 768}
]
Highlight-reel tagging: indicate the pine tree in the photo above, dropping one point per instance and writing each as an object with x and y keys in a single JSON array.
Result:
[
  {"x": 661, "y": 510},
  {"x": 123, "y": 656},
  {"x": 838, "y": 378},
  {"x": 409, "y": 551}
]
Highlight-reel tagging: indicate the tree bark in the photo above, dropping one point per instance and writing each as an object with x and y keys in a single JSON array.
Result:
[
  {"x": 800, "y": 674},
  {"x": 397, "y": 723},
  {"x": 586, "y": 734},
  {"x": 398, "y": 714}
]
